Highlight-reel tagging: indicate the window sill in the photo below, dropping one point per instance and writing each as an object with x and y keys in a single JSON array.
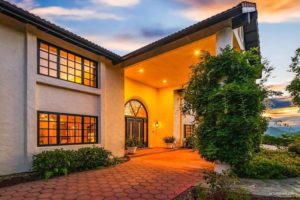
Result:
[{"x": 45, "y": 80}]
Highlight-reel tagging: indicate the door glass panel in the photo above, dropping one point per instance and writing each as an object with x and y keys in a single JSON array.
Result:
[
  {"x": 128, "y": 110},
  {"x": 135, "y": 108},
  {"x": 136, "y": 122},
  {"x": 142, "y": 113}
]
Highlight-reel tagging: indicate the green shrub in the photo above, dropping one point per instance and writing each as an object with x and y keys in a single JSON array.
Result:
[
  {"x": 223, "y": 186},
  {"x": 283, "y": 140},
  {"x": 91, "y": 158},
  {"x": 62, "y": 162},
  {"x": 188, "y": 143},
  {"x": 271, "y": 165},
  {"x": 54, "y": 163},
  {"x": 295, "y": 147},
  {"x": 227, "y": 102},
  {"x": 293, "y": 88},
  {"x": 191, "y": 142}
]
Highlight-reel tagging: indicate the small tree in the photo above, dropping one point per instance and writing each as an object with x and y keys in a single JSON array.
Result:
[
  {"x": 228, "y": 103},
  {"x": 294, "y": 86}
]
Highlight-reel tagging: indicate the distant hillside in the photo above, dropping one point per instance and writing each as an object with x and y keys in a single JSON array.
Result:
[
  {"x": 280, "y": 102},
  {"x": 279, "y": 130}
]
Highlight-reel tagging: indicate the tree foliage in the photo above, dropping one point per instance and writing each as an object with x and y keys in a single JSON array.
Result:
[
  {"x": 294, "y": 86},
  {"x": 227, "y": 102}
]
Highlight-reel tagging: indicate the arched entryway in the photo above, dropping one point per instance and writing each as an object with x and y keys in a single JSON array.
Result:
[{"x": 136, "y": 122}]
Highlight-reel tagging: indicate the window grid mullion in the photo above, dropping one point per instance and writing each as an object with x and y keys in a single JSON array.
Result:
[
  {"x": 96, "y": 68},
  {"x": 48, "y": 129},
  {"x": 58, "y": 128},
  {"x": 67, "y": 65},
  {"x": 82, "y": 129},
  {"x": 48, "y": 54},
  {"x": 58, "y": 63},
  {"x": 82, "y": 71},
  {"x": 67, "y": 128}
]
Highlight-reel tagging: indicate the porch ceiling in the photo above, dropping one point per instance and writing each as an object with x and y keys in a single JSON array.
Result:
[{"x": 172, "y": 68}]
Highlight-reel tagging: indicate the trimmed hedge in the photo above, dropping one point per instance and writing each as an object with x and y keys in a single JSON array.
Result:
[
  {"x": 271, "y": 165},
  {"x": 62, "y": 162}
]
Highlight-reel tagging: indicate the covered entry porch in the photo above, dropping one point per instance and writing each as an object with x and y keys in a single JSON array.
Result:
[
  {"x": 154, "y": 90},
  {"x": 155, "y": 75}
]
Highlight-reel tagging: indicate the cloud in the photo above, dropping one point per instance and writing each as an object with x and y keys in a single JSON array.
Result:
[
  {"x": 117, "y": 3},
  {"x": 154, "y": 32},
  {"x": 269, "y": 11},
  {"x": 280, "y": 87},
  {"x": 73, "y": 13},
  {"x": 25, "y": 4},
  {"x": 120, "y": 43}
]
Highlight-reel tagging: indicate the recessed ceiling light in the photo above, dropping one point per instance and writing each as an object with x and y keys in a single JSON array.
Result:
[
  {"x": 197, "y": 52},
  {"x": 141, "y": 70},
  {"x": 164, "y": 81}
]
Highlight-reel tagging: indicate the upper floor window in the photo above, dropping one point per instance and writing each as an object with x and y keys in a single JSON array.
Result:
[{"x": 62, "y": 64}]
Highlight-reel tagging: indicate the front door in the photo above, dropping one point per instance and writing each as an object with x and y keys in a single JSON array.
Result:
[
  {"x": 136, "y": 122},
  {"x": 136, "y": 129}
]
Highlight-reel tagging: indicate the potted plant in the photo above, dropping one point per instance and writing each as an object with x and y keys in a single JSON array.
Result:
[
  {"x": 169, "y": 140},
  {"x": 131, "y": 146}
]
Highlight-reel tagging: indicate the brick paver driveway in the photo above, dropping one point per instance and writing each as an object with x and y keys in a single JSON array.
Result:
[{"x": 151, "y": 174}]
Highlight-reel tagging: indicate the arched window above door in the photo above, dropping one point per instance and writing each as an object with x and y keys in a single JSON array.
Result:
[{"x": 134, "y": 108}]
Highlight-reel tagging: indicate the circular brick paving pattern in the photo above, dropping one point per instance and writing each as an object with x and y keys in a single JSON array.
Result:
[{"x": 156, "y": 174}]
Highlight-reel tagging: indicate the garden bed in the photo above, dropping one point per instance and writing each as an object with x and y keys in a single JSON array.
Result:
[
  {"x": 13, "y": 179},
  {"x": 51, "y": 161},
  {"x": 270, "y": 164},
  {"x": 191, "y": 194}
]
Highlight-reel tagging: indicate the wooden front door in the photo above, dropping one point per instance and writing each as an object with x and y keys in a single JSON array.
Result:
[
  {"x": 136, "y": 122},
  {"x": 136, "y": 128}
]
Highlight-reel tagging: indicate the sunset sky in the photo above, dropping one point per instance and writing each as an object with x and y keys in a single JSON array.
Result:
[{"x": 125, "y": 25}]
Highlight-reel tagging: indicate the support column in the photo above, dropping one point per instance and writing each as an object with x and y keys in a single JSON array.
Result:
[
  {"x": 224, "y": 38},
  {"x": 112, "y": 109}
]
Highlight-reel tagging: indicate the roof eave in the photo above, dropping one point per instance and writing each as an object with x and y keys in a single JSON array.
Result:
[{"x": 241, "y": 9}]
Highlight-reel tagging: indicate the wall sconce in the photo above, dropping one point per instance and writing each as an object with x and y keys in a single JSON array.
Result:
[{"x": 156, "y": 124}]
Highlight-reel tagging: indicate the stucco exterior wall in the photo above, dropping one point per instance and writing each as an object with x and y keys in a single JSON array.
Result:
[
  {"x": 23, "y": 92},
  {"x": 112, "y": 113},
  {"x": 12, "y": 59},
  {"x": 160, "y": 107},
  {"x": 149, "y": 97},
  {"x": 49, "y": 98}
]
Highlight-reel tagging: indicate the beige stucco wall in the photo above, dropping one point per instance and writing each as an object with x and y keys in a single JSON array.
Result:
[
  {"x": 49, "y": 98},
  {"x": 12, "y": 59},
  {"x": 112, "y": 109},
  {"x": 23, "y": 92}
]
